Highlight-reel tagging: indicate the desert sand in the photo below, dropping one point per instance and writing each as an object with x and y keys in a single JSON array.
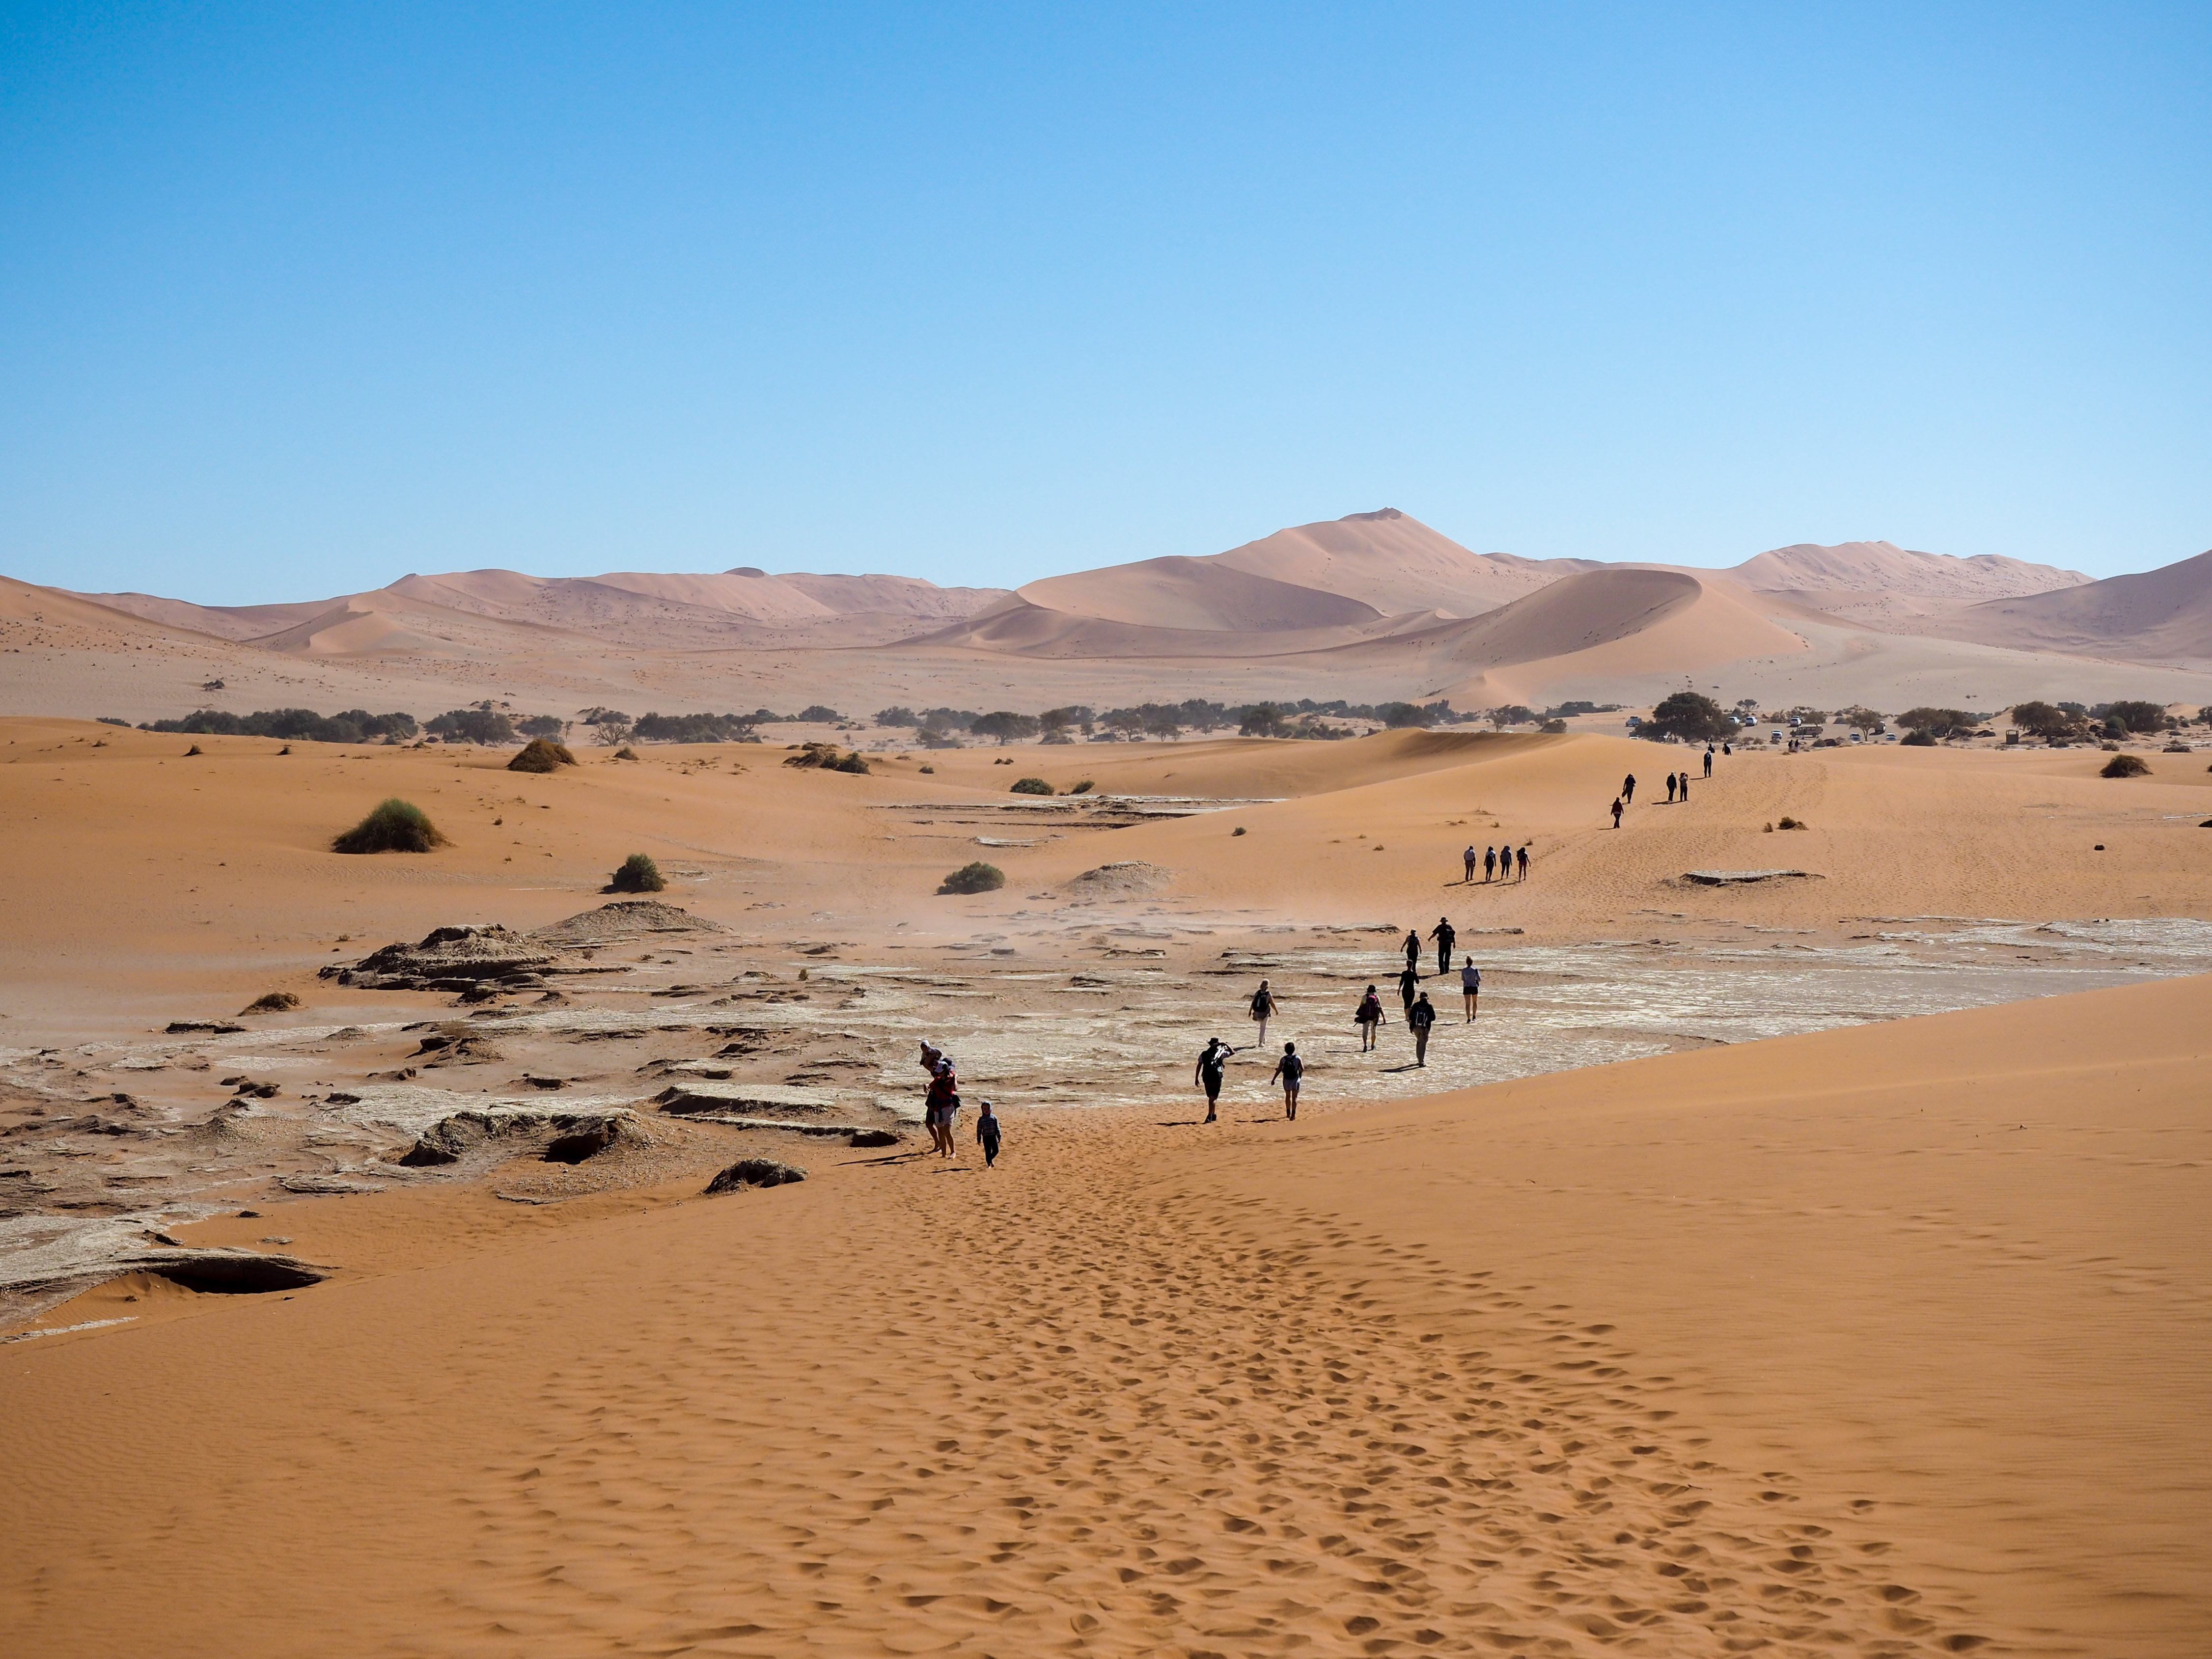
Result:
[{"x": 1691, "y": 1301}]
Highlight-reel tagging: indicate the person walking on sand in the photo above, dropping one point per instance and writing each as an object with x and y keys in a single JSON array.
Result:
[
  {"x": 1469, "y": 856},
  {"x": 1522, "y": 856},
  {"x": 1422, "y": 1018},
  {"x": 1628, "y": 789},
  {"x": 987, "y": 1135},
  {"x": 1709, "y": 760},
  {"x": 1409, "y": 983},
  {"x": 1489, "y": 862},
  {"x": 1616, "y": 811},
  {"x": 942, "y": 1104},
  {"x": 1670, "y": 789},
  {"x": 1470, "y": 984},
  {"x": 1685, "y": 788},
  {"x": 1368, "y": 1016},
  {"x": 1263, "y": 1009},
  {"x": 1211, "y": 1061},
  {"x": 1413, "y": 948},
  {"x": 1290, "y": 1068},
  {"x": 1443, "y": 935}
]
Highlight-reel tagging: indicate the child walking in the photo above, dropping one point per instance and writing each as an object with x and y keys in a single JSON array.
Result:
[{"x": 987, "y": 1134}]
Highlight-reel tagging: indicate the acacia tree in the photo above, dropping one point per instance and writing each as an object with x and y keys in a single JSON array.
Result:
[
  {"x": 1937, "y": 722},
  {"x": 1690, "y": 715}
]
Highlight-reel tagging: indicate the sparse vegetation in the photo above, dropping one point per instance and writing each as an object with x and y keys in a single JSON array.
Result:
[
  {"x": 1791, "y": 823},
  {"x": 626, "y": 753},
  {"x": 2052, "y": 722},
  {"x": 291, "y": 724},
  {"x": 638, "y": 874},
  {"x": 693, "y": 728},
  {"x": 1920, "y": 740},
  {"x": 542, "y": 725},
  {"x": 2125, "y": 766},
  {"x": 897, "y": 714},
  {"x": 1005, "y": 726},
  {"x": 824, "y": 756},
  {"x": 929, "y": 771},
  {"x": 192, "y": 751},
  {"x": 1031, "y": 786},
  {"x": 817, "y": 713},
  {"x": 977, "y": 878},
  {"x": 1082, "y": 788},
  {"x": 1553, "y": 726},
  {"x": 541, "y": 755},
  {"x": 1239, "y": 830},
  {"x": 1937, "y": 722},
  {"x": 2133, "y": 716},
  {"x": 276, "y": 1002},
  {"x": 394, "y": 826}
]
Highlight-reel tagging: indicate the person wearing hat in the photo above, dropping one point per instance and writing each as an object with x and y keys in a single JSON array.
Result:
[
  {"x": 942, "y": 1105},
  {"x": 1211, "y": 1061}
]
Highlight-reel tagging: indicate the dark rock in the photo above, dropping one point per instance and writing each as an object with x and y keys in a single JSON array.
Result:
[
  {"x": 873, "y": 1137},
  {"x": 754, "y": 1172},
  {"x": 202, "y": 1028}
]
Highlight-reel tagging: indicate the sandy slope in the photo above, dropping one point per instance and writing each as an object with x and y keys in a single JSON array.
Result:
[
  {"x": 2157, "y": 615},
  {"x": 1889, "y": 1341}
]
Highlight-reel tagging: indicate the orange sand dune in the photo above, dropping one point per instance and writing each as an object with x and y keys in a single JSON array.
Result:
[
  {"x": 1887, "y": 1340},
  {"x": 1396, "y": 563},
  {"x": 1197, "y": 593},
  {"x": 2157, "y": 615}
]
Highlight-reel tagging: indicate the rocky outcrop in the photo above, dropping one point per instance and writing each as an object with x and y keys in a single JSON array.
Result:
[
  {"x": 571, "y": 1135},
  {"x": 744, "y": 1099},
  {"x": 754, "y": 1172},
  {"x": 450, "y": 959},
  {"x": 625, "y": 918}
]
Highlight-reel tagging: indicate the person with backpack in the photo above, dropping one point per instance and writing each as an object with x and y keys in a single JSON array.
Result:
[
  {"x": 1470, "y": 983},
  {"x": 987, "y": 1135},
  {"x": 1211, "y": 1060},
  {"x": 1421, "y": 1018},
  {"x": 1290, "y": 1068},
  {"x": 1263, "y": 1009},
  {"x": 1489, "y": 862},
  {"x": 1368, "y": 1017},
  {"x": 1444, "y": 934}
]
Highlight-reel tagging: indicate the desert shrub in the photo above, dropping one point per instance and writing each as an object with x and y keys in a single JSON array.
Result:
[
  {"x": 2047, "y": 721},
  {"x": 192, "y": 751},
  {"x": 1511, "y": 714},
  {"x": 1261, "y": 719},
  {"x": 817, "y": 713},
  {"x": 1398, "y": 715},
  {"x": 625, "y": 753},
  {"x": 2125, "y": 766},
  {"x": 1553, "y": 726},
  {"x": 110, "y": 720},
  {"x": 484, "y": 726},
  {"x": 541, "y": 755},
  {"x": 825, "y": 757},
  {"x": 1239, "y": 830},
  {"x": 1031, "y": 786},
  {"x": 977, "y": 878},
  {"x": 277, "y": 1002},
  {"x": 929, "y": 771},
  {"x": 638, "y": 874},
  {"x": 1920, "y": 740},
  {"x": 542, "y": 725},
  {"x": 395, "y": 826},
  {"x": 897, "y": 714},
  {"x": 1791, "y": 823},
  {"x": 1690, "y": 715},
  {"x": 1082, "y": 788}
]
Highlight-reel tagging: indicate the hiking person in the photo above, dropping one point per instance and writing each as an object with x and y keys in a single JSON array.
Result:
[
  {"x": 1263, "y": 1009},
  {"x": 1709, "y": 760},
  {"x": 1685, "y": 788},
  {"x": 1408, "y": 983},
  {"x": 1489, "y": 862},
  {"x": 987, "y": 1135},
  {"x": 1469, "y": 856},
  {"x": 1211, "y": 1061},
  {"x": 1670, "y": 789},
  {"x": 1628, "y": 789},
  {"x": 1367, "y": 1017},
  {"x": 1443, "y": 935},
  {"x": 1728, "y": 748},
  {"x": 1523, "y": 856},
  {"x": 1616, "y": 811},
  {"x": 942, "y": 1103},
  {"x": 1290, "y": 1068},
  {"x": 1412, "y": 947},
  {"x": 1470, "y": 983},
  {"x": 1422, "y": 1018}
]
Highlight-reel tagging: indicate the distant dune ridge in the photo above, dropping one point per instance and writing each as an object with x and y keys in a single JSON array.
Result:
[{"x": 1370, "y": 607}]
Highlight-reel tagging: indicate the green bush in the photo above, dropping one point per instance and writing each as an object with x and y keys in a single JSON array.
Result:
[
  {"x": 2125, "y": 766},
  {"x": 542, "y": 755},
  {"x": 1689, "y": 715},
  {"x": 1031, "y": 786},
  {"x": 1920, "y": 740},
  {"x": 1082, "y": 788},
  {"x": 977, "y": 878},
  {"x": 638, "y": 874},
  {"x": 396, "y": 826}
]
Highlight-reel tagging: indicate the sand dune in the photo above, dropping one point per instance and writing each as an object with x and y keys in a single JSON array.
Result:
[
  {"x": 1395, "y": 563},
  {"x": 1872, "y": 567},
  {"x": 1195, "y": 593},
  {"x": 2158, "y": 615}
]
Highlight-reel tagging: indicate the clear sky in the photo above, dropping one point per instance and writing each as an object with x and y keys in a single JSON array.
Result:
[{"x": 297, "y": 299}]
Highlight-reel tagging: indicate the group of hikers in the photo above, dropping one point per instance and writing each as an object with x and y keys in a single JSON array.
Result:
[
  {"x": 940, "y": 1108},
  {"x": 1498, "y": 863},
  {"x": 1678, "y": 787}
]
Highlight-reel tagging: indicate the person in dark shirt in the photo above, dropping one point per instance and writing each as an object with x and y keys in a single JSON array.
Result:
[
  {"x": 1522, "y": 856},
  {"x": 1290, "y": 1068},
  {"x": 987, "y": 1134},
  {"x": 1408, "y": 983},
  {"x": 1422, "y": 1018},
  {"x": 1211, "y": 1061},
  {"x": 1413, "y": 948},
  {"x": 1628, "y": 789},
  {"x": 1489, "y": 862},
  {"x": 1616, "y": 811},
  {"x": 1443, "y": 935}
]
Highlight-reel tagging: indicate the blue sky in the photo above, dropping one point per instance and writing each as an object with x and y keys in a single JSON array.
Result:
[{"x": 294, "y": 300}]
